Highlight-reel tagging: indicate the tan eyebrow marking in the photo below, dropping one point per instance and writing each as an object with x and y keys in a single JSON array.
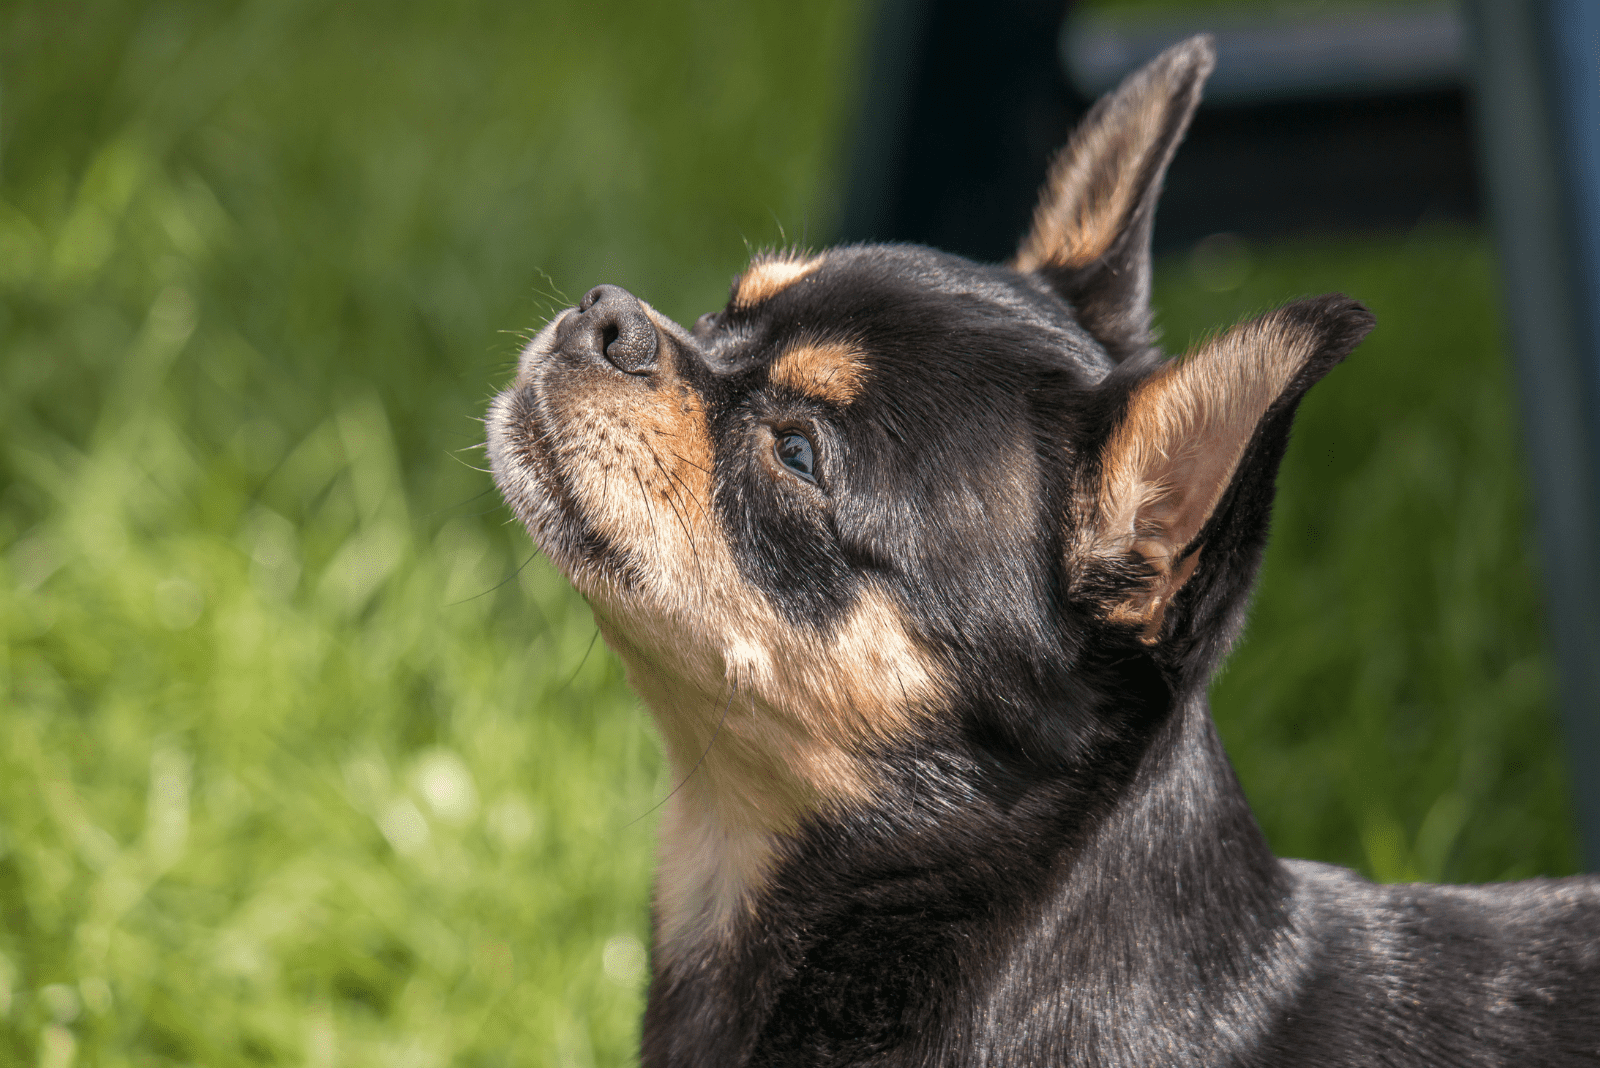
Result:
[
  {"x": 765, "y": 278},
  {"x": 833, "y": 372}
]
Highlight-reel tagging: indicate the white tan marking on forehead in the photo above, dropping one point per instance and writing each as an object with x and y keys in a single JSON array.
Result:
[
  {"x": 831, "y": 372},
  {"x": 767, "y": 277}
]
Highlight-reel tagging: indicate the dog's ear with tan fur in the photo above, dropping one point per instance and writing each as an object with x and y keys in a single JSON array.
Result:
[
  {"x": 1180, "y": 488},
  {"x": 1091, "y": 231}
]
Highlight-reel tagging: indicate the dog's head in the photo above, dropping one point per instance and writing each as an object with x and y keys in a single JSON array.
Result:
[{"x": 889, "y": 493}]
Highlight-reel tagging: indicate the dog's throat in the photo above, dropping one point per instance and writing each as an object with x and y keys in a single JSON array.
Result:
[
  {"x": 739, "y": 782},
  {"x": 874, "y": 908}
]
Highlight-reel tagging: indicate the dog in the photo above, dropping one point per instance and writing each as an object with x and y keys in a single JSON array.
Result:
[{"x": 922, "y": 567}]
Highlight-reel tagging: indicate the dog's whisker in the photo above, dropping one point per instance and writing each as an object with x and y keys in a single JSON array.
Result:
[
  {"x": 581, "y": 661},
  {"x": 670, "y": 492},
  {"x": 497, "y": 585},
  {"x": 715, "y": 733}
]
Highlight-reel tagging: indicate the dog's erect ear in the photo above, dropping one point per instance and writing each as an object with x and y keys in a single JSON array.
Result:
[
  {"x": 1192, "y": 453},
  {"x": 1091, "y": 230}
]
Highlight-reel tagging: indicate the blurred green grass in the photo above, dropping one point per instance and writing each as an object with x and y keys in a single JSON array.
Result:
[
  {"x": 304, "y": 758},
  {"x": 301, "y": 757}
]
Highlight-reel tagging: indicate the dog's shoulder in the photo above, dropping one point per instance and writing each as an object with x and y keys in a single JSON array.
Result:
[
  {"x": 1511, "y": 911},
  {"x": 1449, "y": 974}
]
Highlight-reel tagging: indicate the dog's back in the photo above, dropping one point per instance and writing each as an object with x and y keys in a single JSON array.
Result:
[{"x": 1417, "y": 973}]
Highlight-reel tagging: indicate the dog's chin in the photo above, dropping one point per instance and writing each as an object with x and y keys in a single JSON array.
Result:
[{"x": 529, "y": 478}]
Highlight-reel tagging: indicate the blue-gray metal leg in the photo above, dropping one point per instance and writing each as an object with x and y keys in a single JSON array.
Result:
[{"x": 1537, "y": 94}]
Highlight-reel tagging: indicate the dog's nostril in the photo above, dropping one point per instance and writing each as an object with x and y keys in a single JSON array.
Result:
[
  {"x": 612, "y": 323},
  {"x": 630, "y": 344}
]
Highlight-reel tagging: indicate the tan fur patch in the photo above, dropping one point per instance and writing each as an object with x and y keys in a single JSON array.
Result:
[
  {"x": 1092, "y": 188},
  {"x": 1170, "y": 460},
  {"x": 830, "y": 372},
  {"x": 771, "y": 275},
  {"x": 776, "y": 737},
  {"x": 764, "y": 723},
  {"x": 1115, "y": 156}
]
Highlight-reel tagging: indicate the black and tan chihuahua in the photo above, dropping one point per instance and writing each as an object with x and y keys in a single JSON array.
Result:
[{"x": 923, "y": 567}]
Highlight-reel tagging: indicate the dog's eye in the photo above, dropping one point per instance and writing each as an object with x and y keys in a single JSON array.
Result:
[{"x": 794, "y": 452}]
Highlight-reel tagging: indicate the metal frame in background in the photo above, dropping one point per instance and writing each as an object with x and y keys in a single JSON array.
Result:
[
  {"x": 1316, "y": 120},
  {"x": 1537, "y": 96}
]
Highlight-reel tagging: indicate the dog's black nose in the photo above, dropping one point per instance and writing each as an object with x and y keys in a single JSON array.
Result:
[{"x": 611, "y": 323}]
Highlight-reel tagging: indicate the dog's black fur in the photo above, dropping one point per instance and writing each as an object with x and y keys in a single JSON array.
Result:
[{"x": 952, "y": 791}]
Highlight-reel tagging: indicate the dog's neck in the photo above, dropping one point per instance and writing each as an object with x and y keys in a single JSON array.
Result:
[{"x": 940, "y": 919}]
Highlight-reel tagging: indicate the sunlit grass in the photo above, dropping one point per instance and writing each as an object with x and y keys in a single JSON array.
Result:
[{"x": 304, "y": 758}]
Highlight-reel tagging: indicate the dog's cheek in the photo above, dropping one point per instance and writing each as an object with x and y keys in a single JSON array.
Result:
[{"x": 788, "y": 551}]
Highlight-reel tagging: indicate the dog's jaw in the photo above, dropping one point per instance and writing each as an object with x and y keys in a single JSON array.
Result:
[{"x": 520, "y": 462}]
